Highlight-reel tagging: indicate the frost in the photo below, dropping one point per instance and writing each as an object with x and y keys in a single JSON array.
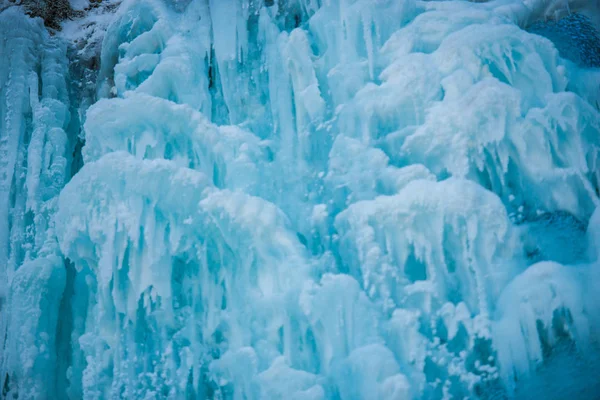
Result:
[{"x": 366, "y": 199}]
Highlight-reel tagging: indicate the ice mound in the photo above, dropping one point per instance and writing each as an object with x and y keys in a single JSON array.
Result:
[
  {"x": 154, "y": 128},
  {"x": 300, "y": 200}
]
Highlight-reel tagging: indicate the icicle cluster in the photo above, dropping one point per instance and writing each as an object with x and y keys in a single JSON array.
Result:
[{"x": 369, "y": 199}]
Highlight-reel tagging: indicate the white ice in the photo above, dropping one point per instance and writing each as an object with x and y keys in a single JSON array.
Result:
[{"x": 337, "y": 199}]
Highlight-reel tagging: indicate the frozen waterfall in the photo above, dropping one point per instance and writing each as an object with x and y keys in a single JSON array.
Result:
[{"x": 300, "y": 199}]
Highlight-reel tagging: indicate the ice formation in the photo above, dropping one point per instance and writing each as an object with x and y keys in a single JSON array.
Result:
[{"x": 303, "y": 199}]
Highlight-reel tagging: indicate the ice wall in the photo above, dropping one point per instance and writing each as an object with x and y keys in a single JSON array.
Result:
[
  {"x": 307, "y": 199},
  {"x": 35, "y": 154}
]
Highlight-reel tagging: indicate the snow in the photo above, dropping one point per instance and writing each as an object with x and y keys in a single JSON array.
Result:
[{"x": 343, "y": 199}]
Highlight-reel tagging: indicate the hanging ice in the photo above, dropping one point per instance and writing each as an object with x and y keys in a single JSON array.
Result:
[{"x": 303, "y": 199}]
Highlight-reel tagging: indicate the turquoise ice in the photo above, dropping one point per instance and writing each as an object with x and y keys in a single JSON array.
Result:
[{"x": 303, "y": 199}]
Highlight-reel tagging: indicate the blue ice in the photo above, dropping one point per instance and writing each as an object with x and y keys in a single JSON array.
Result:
[{"x": 303, "y": 199}]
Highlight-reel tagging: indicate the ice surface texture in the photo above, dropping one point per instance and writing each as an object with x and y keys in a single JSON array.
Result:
[{"x": 368, "y": 199}]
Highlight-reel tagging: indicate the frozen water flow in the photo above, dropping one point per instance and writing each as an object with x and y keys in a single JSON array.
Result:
[{"x": 341, "y": 199}]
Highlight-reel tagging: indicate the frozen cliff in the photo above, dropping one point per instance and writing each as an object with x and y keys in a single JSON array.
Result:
[{"x": 301, "y": 199}]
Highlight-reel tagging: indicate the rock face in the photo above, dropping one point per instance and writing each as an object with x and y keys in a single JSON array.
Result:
[
  {"x": 574, "y": 36},
  {"x": 53, "y": 12}
]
